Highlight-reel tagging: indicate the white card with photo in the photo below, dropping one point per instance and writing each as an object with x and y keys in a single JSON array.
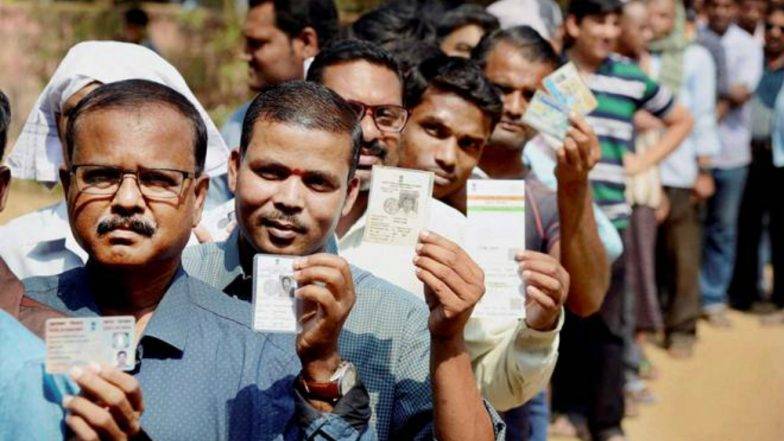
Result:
[
  {"x": 495, "y": 233},
  {"x": 81, "y": 341},
  {"x": 274, "y": 305},
  {"x": 398, "y": 209}
]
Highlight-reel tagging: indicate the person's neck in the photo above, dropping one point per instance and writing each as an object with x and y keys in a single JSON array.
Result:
[
  {"x": 135, "y": 292},
  {"x": 774, "y": 61},
  {"x": 357, "y": 211},
  {"x": 583, "y": 62},
  {"x": 719, "y": 32},
  {"x": 750, "y": 29},
  {"x": 502, "y": 163}
]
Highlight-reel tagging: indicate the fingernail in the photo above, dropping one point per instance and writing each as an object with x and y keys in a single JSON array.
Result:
[
  {"x": 76, "y": 372},
  {"x": 424, "y": 234},
  {"x": 67, "y": 399},
  {"x": 526, "y": 274},
  {"x": 416, "y": 259},
  {"x": 95, "y": 367},
  {"x": 418, "y": 247}
]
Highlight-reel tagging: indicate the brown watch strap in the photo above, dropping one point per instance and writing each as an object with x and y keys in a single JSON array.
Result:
[{"x": 329, "y": 391}]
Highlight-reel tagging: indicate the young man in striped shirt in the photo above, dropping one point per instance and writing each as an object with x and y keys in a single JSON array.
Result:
[{"x": 622, "y": 89}]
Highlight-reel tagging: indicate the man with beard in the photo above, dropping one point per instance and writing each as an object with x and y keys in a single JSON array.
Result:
[
  {"x": 294, "y": 176},
  {"x": 134, "y": 184}
]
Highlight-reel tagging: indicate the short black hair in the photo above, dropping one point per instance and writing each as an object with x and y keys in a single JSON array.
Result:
[
  {"x": 136, "y": 16},
  {"x": 306, "y": 104},
  {"x": 345, "y": 51},
  {"x": 410, "y": 53},
  {"x": 584, "y": 8},
  {"x": 530, "y": 43},
  {"x": 394, "y": 21},
  {"x": 292, "y": 16},
  {"x": 464, "y": 15},
  {"x": 456, "y": 75},
  {"x": 135, "y": 94},
  {"x": 5, "y": 121}
]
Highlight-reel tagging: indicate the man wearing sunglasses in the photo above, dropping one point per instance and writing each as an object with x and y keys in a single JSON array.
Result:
[{"x": 134, "y": 185}]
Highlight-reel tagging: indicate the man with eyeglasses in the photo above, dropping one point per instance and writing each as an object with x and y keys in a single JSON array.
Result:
[
  {"x": 134, "y": 185},
  {"x": 513, "y": 364}
]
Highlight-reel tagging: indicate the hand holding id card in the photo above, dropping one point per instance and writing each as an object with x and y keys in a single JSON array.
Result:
[
  {"x": 81, "y": 341},
  {"x": 275, "y": 308}
]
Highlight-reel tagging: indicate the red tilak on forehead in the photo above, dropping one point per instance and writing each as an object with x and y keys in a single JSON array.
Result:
[{"x": 297, "y": 172}]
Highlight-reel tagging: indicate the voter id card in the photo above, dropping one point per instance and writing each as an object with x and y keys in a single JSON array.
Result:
[
  {"x": 80, "y": 341},
  {"x": 275, "y": 308}
]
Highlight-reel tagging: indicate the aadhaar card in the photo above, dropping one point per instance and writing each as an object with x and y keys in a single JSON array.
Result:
[
  {"x": 568, "y": 87},
  {"x": 81, "y": 341},
  {"x": 274, "y": 305},
  {"x": 495, "y": 233},
  {"x": 398, "y": 209},
  {"x": 547, "y": 116}
]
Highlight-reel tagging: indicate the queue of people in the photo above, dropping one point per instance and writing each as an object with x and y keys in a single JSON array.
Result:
[{"x": 646, "y": 217}]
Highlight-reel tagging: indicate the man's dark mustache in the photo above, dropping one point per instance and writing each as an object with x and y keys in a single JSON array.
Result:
[
  {"x": 135, "y": 224},
  {"x": 374, "y": 148},
  {"x": 283, "y": 218}
]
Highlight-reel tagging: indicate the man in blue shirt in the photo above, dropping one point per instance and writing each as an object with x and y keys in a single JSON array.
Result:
[
  {"x": 134, "y": 186},
  {"x": 280, "y": 37},
  {"x": 294, "y": 176}
]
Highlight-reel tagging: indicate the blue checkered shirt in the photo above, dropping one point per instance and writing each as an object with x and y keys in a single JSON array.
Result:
[{"x": 385, "y": 337}]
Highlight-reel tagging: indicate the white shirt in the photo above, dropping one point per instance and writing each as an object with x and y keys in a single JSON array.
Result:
[
  {"x": 41, "y": 243},
  {"x": 744, "y": 67},
  {"x": 543, "y": 15},
  {"x": 511, "y": 362}
]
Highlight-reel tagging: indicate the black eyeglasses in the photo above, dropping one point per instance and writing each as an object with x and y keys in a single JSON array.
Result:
[
  {"x": 387, "y": 117},
  {"x": 154, "y": 183}
]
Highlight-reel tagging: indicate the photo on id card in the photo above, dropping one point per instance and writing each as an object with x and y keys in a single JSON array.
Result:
[
  {"x": 81, "y": 341},
  {"x": 275, "y": 307},
  {"x": 399, "y": 205}
]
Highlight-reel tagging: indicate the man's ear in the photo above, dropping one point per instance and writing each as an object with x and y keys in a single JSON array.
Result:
[
  {"x": 306, "y": 43},
  {"x": 572, "y": 27},
  {"x": 351, "y": 196},
  {"x": 235, "y": 161},
  {"x": 200, "y": 188},
  {"x": 5, "y": 182}
]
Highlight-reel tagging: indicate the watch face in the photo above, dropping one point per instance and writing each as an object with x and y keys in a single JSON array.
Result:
[{"x": 349, "y": 379}]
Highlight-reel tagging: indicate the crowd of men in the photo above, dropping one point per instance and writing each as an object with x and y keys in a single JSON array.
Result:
[{"x": 648, "y": 216}]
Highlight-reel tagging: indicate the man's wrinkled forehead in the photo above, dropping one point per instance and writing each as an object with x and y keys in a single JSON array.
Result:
[{"x": 101, "y": 131}]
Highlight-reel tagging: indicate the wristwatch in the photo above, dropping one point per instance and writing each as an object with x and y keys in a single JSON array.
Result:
[{"x": 342, "y": 381}]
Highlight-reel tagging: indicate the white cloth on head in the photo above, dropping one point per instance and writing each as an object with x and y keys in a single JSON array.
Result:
[{"x": 38, "y": 153}]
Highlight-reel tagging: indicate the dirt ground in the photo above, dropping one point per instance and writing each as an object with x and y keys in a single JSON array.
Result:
[{"x": 731, "y": 390}]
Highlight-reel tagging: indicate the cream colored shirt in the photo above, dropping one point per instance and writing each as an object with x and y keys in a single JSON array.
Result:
[{"x": 511, "y": 362}]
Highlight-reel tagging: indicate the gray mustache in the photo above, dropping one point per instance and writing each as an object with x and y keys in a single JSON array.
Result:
[{"x": 137, "y": 225}]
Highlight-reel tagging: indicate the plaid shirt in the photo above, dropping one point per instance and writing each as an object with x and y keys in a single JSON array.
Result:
[{"x": 385, "y": 337}]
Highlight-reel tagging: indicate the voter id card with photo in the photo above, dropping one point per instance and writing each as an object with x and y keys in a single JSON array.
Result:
[
  {"x": 274, "y": 305},
  {"x": 80, "y": 341},
  {"x": 568, "y": 88},
  {"x": 399, "y": 205}
]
